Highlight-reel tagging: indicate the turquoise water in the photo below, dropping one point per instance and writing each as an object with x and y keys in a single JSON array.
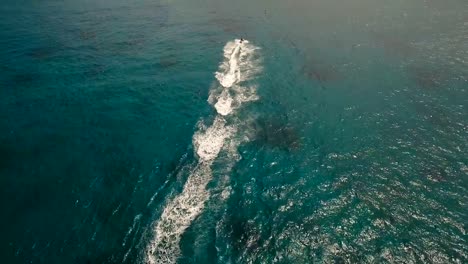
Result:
[{"x": 145, "y": 132}]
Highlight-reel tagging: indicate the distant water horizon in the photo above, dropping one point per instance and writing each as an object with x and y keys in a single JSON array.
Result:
[{"x": 262, "y": 131}]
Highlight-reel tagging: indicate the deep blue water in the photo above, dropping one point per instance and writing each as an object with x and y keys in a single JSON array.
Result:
[{"x": 145, "y": 132}]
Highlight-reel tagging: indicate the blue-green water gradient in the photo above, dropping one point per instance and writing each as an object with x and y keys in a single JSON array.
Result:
[{"x": 354, "y": 152}]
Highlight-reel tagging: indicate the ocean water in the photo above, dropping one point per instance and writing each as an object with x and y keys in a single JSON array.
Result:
[{"x": 148, "y": 132}]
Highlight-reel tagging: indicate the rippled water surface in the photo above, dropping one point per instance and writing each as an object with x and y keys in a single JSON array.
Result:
[{"x": 148, "y": 132}]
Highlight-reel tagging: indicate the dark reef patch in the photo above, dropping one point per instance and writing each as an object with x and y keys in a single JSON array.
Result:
[
  {"x": 276, "y": 134},
  {"x": 433, "y": 78},
  {"x": 18, "y": 77},
  {"x": 43, "y": 53},
  {"x": 393, "y": 44},
  {"x": 433, "y": 113},
  {"x": 7, "y": 155},
  {"x": 427, "y": 78},
  {"x": 86, "y": 35},
  {"x": 168, "y": 61},
  {"x": 95, "y": 70},
  {"x": 321, "y": 73},
  {"x": 433, "y": 173},
  {"x": 125, "y": 47},
  {"x": 21, "y": 79},
  {"x": 244, "y": 235}
]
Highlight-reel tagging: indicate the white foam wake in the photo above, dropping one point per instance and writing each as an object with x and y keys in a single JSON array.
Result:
[{"x": 239, "y": 65}]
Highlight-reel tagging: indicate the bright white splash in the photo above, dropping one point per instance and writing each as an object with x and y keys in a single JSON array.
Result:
[
  {"x": 224, "y": 104},
  {"x": 209, "y": 143},
  {"x": 240, "y": 64}
]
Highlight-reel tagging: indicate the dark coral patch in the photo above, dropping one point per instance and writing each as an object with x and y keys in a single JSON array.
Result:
[
  {"x": 277, "y": 135},
  {"x": 393, "y": 44}
]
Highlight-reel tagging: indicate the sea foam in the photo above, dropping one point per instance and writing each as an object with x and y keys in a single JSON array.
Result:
[{"x": 239, "y": 65}]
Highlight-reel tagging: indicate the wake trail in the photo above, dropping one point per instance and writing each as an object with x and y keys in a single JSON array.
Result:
[{"x": 240, "y": 64}]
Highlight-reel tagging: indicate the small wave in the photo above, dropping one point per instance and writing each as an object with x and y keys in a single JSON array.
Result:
[{"x": 136, "y": 221}]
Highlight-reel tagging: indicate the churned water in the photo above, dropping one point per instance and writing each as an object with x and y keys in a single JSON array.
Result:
[{"x": 150, "y": 132}]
